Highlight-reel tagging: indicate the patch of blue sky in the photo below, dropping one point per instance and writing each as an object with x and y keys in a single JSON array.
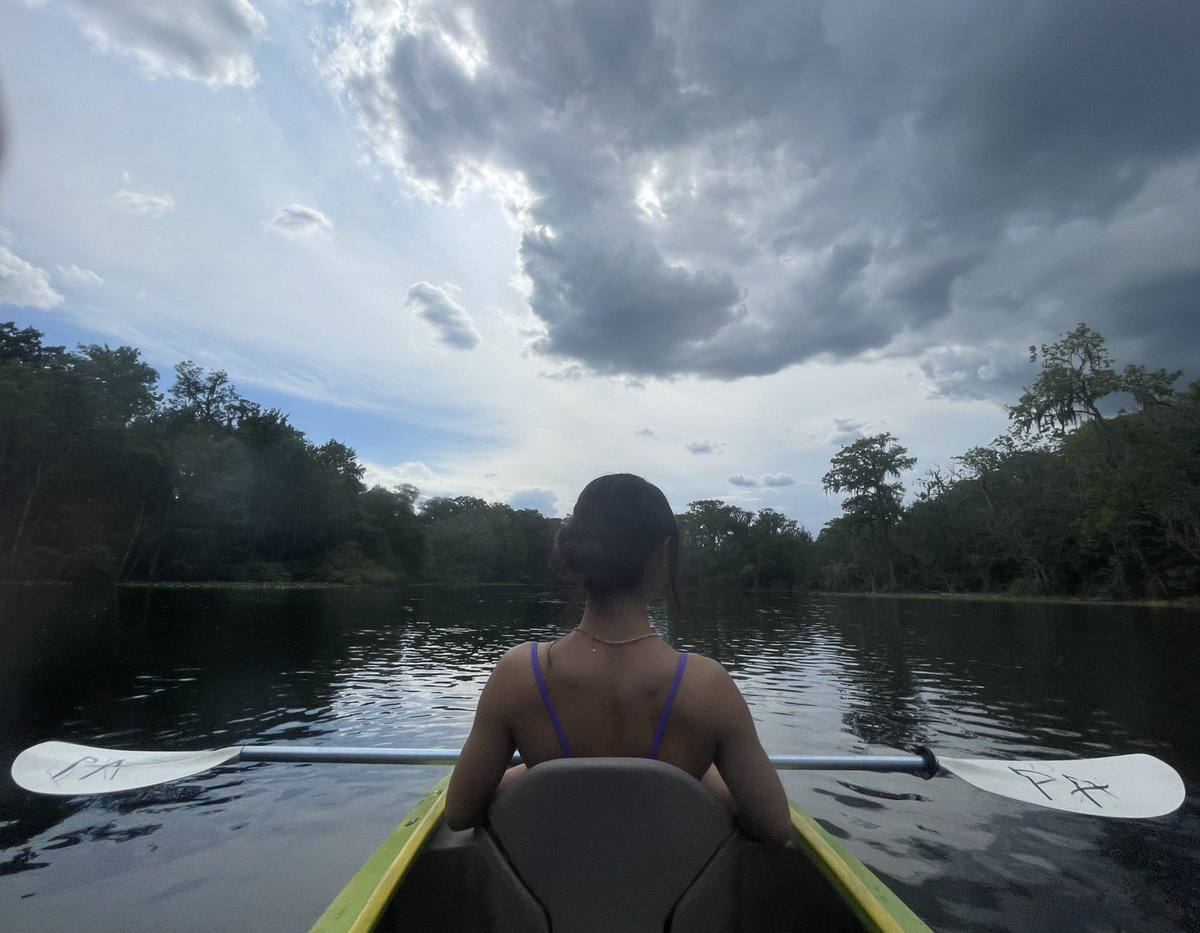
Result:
[{"x": 377, "y": 436}]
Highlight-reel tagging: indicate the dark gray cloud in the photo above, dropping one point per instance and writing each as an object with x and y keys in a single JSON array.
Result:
[
  {"x": 587, "y": 293},
  {"x": 973, "y": 373},
  {"x": 703, "y": 447},
  {"x": 726, "y": 191},
  {"x": 846, "y": 430},
  {"x": 1161, "y": 305},
  {"x": 645, "y": 432},
  {"x": 741, "y": 479},
  {"x": 778, "y": 479},
  {"x": 200, "y": 40},
  {"x": 452, "y": 323}
]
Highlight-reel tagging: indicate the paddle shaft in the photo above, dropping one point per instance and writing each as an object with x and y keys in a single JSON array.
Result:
[
  {"x": 911, "y": 764},
  {"x": 1132, "y": 786}
]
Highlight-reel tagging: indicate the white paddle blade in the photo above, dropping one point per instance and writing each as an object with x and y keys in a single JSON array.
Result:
[
  {"x": 66, "y": 770},
  {"x": 1130, "y": 786}
]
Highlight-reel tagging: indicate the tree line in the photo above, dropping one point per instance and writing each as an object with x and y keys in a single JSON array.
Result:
[
  {"x": 102, "y": 478},
  {"x": 1094, "y": 491}
]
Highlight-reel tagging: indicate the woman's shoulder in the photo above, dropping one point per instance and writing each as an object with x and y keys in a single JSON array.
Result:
[
  {"x": 518, "y": 659},
  {"x": 515, "y": 656},
  {"x": 713, "y": 693},
  {"x": 706, "y": 670},
  {"x": 702, "y": 662}
]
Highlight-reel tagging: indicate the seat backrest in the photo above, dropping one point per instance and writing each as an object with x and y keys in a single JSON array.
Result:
[{"x": 608, "y": 843}]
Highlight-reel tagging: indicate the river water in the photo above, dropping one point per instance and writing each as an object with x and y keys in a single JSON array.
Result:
[{"x": 265, "y": 847}]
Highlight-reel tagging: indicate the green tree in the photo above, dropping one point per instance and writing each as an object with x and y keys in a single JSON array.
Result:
[
  {"x": 713, "y": 542},
  {"x": 779, "y": 550},
  {"x": 869, "y": 469},
  {"x": 468, "y": 540},
  {"x": 206, "y": 397},
  {"x": 389, "y": 531},
  {"x": 120, "y": 387},
  {"x": 1077, "y": 374}
]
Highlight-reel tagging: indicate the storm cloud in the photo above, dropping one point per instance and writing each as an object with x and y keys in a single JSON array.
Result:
[{"x": 727, "y": 191}]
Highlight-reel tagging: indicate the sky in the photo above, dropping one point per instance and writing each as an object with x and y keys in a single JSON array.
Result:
[{"x": 500, "y": 247}]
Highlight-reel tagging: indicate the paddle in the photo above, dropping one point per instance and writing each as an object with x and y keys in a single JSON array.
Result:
[{"x": 1131, "y": 786}]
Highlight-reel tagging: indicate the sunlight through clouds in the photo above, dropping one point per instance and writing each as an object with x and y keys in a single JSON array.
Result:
[{"x": 703, "y": 241}]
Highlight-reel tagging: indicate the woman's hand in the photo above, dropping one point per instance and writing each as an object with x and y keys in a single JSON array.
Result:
[
  {"x": 713, "y": 781},
  {"x": 511, "y": 775},
  {"x": 742, "y": 768}
]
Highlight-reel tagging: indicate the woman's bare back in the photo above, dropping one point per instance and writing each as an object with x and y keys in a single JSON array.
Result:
[
  {"x": 610, "y": 700},
  {"x": 608, "y": 704}
]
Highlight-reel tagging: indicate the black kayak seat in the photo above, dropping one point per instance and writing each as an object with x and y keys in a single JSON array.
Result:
[
  {"x": 603, "y": 850},
  {"x": 608, "y": 844}
]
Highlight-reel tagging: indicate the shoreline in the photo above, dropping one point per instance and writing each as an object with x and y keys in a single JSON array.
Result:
[{"x": 1184, "y": 602}]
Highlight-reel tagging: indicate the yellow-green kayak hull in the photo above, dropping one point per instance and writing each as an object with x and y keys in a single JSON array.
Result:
[{"x": 427, "y": 877}]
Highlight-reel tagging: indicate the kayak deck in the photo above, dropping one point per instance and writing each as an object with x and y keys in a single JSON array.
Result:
[{"x": 708, "y": 877}]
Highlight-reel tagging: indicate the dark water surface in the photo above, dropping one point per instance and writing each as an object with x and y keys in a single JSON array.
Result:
[{"x": 265, "y": 847}]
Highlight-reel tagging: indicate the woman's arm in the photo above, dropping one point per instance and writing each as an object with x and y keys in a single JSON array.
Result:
[
  {"x": 759, "y": 802},
  {"x": 486, "y": 754}
]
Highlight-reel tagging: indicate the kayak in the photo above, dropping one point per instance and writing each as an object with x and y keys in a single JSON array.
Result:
[{"x": 592, "y": 845}]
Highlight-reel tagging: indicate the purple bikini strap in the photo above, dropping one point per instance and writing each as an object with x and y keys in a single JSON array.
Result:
[
  {"x": 541, "y": 682},
  {"x": 666, "y": 710}
]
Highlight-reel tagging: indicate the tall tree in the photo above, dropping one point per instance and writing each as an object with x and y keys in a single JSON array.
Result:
[
  {"x": 869, "y": 469},
  {"x": 1077, "y": 375},
  {"x": 206, "y": 397}
]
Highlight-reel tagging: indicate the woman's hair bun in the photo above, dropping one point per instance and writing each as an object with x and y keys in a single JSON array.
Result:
[{"x": 616, "y": 525}]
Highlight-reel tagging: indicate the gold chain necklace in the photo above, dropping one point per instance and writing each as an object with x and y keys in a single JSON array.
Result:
[{"x": 623, "y": 641}]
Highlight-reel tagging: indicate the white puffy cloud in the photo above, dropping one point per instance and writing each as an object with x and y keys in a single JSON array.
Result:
[
  {"x": 24, "y": 285},
  {"x": 453, "y": 325},
  {"x": 78, "y": 276},
  {"x": 726, "y": 191},
  {"x": 152, "y": 204},
  {"x": 773, "y": 480},
  {"x": 210, "y": 41},
  {"x": 296, "y": 221}
]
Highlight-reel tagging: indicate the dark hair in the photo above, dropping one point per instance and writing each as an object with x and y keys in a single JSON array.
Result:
[{"x": 618, "y": 522}]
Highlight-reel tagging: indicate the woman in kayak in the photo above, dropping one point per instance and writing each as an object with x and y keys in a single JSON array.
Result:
[{"x": 612, "y": 687}]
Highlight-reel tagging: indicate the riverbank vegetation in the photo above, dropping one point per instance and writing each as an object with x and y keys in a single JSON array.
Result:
[{"x": 1094, "y": 492}]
